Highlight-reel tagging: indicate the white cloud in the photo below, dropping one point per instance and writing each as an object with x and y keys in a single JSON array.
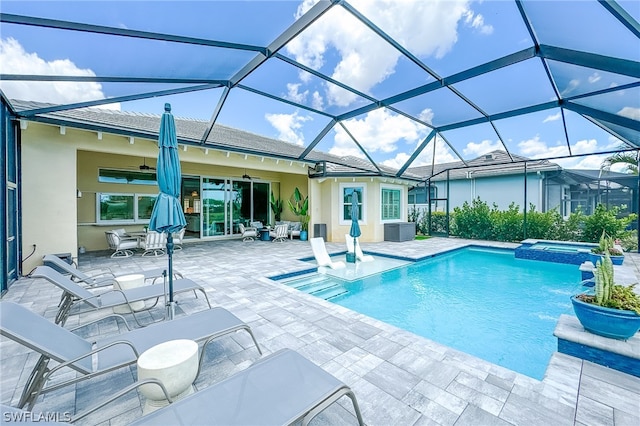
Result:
[
  {"x": 425, "y": 28},
  {"x": 443, "y": 155},
  {"x": 553, "y": 117},
  {"x": 15, "y": 60},
  {"x": 477, "y": 149},
  {"x": 378, "y": 131},
  {"x": 294, "y": 95},
  {"x": 288, "y": 126},
  {"x": 317, "y": 101},
  {"x": 594, "y": 78},
  {"x": 536, "y": 148},
  {"x": 573, "y": 85},
  {"x": 426, "y": 115},
  {"x": 630, "y": 112}
]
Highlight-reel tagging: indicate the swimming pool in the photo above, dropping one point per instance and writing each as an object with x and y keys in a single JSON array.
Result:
[{"x": 483, "y": 302}]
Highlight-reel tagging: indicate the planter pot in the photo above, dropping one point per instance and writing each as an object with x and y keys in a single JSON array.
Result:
[
  {"x": 607, "y": 322},
  {"x": 304, "y": 235},
  {"x": 616, "y": 260}
]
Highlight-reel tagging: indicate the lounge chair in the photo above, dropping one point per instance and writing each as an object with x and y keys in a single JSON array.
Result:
[
  {"x": 90, "y": 358},
  {"x": 321, "y": 255},
  {"x": 104, "y": 278},
  {"x": 280, "y": 389},
  {"x": 248, "y": 233},
  {"x": 74, "y": 294},
  {"x": 358, "y": 251}
]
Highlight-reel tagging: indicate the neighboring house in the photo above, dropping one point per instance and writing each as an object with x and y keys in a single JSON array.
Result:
[
  {"x": 87, "y": 171},
  {"x": 548, "y": 185}
]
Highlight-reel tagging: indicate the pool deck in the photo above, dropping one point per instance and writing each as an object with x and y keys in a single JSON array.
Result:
[{"x": 399, "y": 378}]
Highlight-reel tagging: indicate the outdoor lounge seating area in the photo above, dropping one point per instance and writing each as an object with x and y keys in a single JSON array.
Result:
[{"x": 396, "y": 376}]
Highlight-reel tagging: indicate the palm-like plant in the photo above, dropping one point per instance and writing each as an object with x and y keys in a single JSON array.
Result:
[{"x": 629, "y": 159}]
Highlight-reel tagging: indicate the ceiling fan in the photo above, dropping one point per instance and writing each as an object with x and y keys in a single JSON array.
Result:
[{"x": 144, "y": 166}]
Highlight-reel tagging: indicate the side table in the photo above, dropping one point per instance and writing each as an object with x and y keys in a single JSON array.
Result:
[
  {"x": 126, "y": 282},
  {"x": 175, "y": 364}
]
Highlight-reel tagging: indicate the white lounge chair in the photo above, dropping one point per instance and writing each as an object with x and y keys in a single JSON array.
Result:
[
  {"x": 248, "y": 233},
  {"x": 359, "y": 254},
  {"x": 321, "y": 255}
]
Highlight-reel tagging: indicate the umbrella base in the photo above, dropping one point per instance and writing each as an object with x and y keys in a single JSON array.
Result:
[
  {"x": 171, "y": 310},
  {"x": 351, "y": 257}
]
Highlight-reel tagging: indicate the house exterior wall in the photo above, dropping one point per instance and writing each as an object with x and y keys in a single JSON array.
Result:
[
  {"x": 58, "y": 163},
  {"x": 501, "y": 190},
  {"x": 48, "y": 194}
]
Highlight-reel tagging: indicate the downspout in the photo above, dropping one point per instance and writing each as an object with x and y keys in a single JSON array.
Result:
[{"x": 525, "y": 202}]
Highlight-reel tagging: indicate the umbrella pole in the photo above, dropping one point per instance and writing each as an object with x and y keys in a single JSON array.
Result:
[{"x": 171, "y": 306}]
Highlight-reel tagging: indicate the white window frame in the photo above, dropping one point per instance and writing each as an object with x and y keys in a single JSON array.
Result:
[
  {"x": 135, "y": 220},
  {"x": 403, "y": 202},
  {"x": 363, "y": 187}
]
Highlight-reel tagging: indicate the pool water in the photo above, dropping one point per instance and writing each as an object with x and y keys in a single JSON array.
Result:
[
  {"x": 483, "y": 302},
  {"x": 572, "y": 248}
]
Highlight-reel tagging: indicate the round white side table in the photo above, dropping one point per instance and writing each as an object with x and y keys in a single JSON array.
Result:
[
  {"x": 126, "y": 282},
  {"x": 175, "y": 364}
]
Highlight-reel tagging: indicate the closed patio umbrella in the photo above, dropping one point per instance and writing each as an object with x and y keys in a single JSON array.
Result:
[
  {"x": 354, "y": 232},
  {"x": 167, "y": 215}
]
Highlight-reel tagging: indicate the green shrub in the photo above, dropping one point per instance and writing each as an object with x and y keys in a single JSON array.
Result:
[
  {"x": 541, "y": 226},
  {"x": 507, "y": 225},
  {"x": 570, "y": 229},
  {"x": 603, "y": 220},
  {"x": 473, "y": 221},
  {"x": 439, "y": 222}
]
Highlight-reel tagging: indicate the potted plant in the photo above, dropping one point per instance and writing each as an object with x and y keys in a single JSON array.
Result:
[
  {"x": 299, "y": 205},
  {"x": 606, "y": 246},
  {"x": 613, "y": 310},
  {"x": 276, "y": 207}
]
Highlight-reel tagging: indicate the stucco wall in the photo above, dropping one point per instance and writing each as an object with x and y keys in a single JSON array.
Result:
[{"x": 48, "y": 194}]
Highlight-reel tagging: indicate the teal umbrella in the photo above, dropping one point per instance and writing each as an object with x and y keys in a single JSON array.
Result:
[
  {"x": 354, "y": 232},
  {"x": 167, "y": 215}
]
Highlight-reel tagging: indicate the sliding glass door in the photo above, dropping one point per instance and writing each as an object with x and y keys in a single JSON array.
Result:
[{"x": 227, "y": 202}]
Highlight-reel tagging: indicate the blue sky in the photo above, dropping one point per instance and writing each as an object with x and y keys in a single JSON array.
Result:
[{"x": 448, "y": 36}]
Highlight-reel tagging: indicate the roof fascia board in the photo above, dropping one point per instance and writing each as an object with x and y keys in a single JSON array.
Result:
[
  {"x": 591, "y": 60},
  {"x": 154, "y": 136},
  {"x": 33, "y": 112},
  {"x": 621, "y": 15},
  {"x": 123, "y": 32}
]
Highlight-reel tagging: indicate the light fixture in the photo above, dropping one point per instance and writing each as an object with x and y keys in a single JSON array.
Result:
[{"x": 194, "y": 193}]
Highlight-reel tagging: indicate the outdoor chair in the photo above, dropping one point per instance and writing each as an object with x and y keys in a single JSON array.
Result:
[
  {"x": 294, "y": 229},
  {"x": 177, "y": 239},
  {"x": 154, "y": 244},
  {"x": 76, "y": 295},
  {"x": 358, "y": 251},
  {"x": 257, "y": 225},
  {"x": 122, "y": 247},
  {"x": 279, "y": 233},
  {"x": 104, "y": 278},
  {"x": 90, "y": 358},
  {"x": 248, "y": 233},
  {"x": 321, "y": 255},
  {"x": 282, "y": 388}
]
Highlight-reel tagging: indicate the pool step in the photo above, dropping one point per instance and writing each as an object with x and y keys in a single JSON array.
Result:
[
  {"x": 331, "y": 292},
  {"x": 322, "y": 286}
]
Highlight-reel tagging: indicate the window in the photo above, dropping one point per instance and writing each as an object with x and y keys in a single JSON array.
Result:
[
  {"x": 418, "y": 195},
  {"x": 390, "y": 204},
  {"x": 347, "y": 192},
  {"x": 124, "y": 208},
  {"x": 126, "y": 176}
]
